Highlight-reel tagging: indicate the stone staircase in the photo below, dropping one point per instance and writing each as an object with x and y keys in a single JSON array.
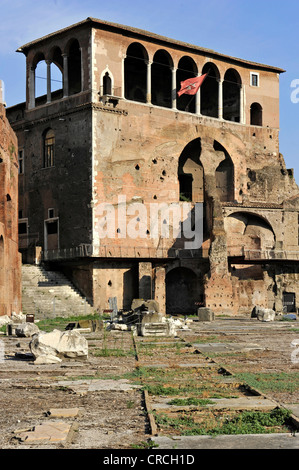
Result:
[{"x": 49, "y": 294}]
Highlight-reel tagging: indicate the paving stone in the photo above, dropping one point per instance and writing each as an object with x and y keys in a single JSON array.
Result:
[
  {"x": 63, "y": 412},
  {"x": 226, "y": 347},
  {"x": 249, "y": 441},
  {"x": 242, "y": 403},
  {"x": 46, "y": 432}
]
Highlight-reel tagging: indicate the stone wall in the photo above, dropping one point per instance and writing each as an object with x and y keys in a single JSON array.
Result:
[{"x": 10, "y": 261}]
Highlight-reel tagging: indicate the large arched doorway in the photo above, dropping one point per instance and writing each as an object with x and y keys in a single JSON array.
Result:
[
  {"x": 184, "y": 291},
  {"x": 191, "y": 173},
  {"x": 225, "y": 176}
]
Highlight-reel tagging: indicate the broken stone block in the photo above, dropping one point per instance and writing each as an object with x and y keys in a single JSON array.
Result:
[
  {"x": 149, "y": 305},
  {"x": 61, "y": 344},
  {"x": 205, "y": 314},
  {"x": 49, "y": 432},
  {"x": 26, "y": 330},
  {"x": 5, "y": 320},
  {"x": 265, "y": 314},
  {"x": 63, "y": 412}
]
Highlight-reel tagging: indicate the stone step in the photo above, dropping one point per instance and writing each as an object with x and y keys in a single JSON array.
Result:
[{"x": 41, "y": 287}]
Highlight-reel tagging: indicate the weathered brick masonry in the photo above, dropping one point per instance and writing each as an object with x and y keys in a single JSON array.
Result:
[
  {"x": 118, "y": 133},
  {"x": 10, "y": 259}
]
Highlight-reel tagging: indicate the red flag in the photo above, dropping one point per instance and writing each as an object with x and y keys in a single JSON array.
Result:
[{"x": 192, "y": 85}]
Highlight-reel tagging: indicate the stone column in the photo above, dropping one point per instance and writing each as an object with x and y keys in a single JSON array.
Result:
[
  {"x": 220, "y": 100},
  {"x": 65, "y": 75},
  {"x": 123, "y": 77},
  {"x": 160, "y": 288},
  {"x": 32, "y": 88},
  {"x": 197, "y": 102},
  {"x": 173, "y": 92},
  {"x": 48, "y": 62},
  {"x": 242, "y": 113},
  {"x": 145, "y": 280},
  {"x": 149, "y": 82},
  {"x": 82, "y": 70}
]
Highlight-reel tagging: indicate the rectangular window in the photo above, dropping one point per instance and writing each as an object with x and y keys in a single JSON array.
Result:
[
  {"x": 49, "y": 149},
  {"x": 254, "y": 79},
  {"x": 21, "y": 161},
  {"x": 51, "y": 213},
  {"x": 22, "y": 228}
]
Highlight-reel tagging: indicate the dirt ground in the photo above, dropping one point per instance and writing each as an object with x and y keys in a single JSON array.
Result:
[{"x": 112, "y": 408}]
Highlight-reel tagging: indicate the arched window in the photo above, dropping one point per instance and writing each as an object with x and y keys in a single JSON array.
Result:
[
  {"x": 162, "y": 79},
  {"x": 49, "y": 148},
  {"x": 191, "y": 174},
  {"x": 256, "y": 114},
  {"x": 209, "y": 100},
  {"x": 107, "y": 84},
  {"x": 186, "y": 69},
  {"x": 232, "y": 96},
  {"x": 74, "y": 68},
  {"x": 224, "y": 176},
  {"x": 136, "y": 73}
]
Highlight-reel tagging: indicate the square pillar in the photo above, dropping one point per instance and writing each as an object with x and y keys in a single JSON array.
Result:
[
  {"x": 145, "y": 280},
  {"x": 160, "y": 288}
]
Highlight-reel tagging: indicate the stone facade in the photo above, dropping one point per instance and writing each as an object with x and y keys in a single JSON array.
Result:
[
  {"x": 118, "y": 133},
  {"x": 10, "y": 259}
]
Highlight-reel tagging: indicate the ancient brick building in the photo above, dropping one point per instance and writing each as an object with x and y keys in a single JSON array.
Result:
[
  {"x": 117, "y": 132},
  {"x": 10, "y": 259}
]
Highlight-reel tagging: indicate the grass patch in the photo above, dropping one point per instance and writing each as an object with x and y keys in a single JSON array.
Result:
[
  {"x": 112, "y": 352},
  {"x": 190, "y": 402},
  {"x": 271, "y": 382},
  {"x": 247, "y": 422},
  {"x": 59, "y": 323}
]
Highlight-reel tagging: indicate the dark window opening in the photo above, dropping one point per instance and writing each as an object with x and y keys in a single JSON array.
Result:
[
  {"x": 256, "y": 115},
  {"x": 74, "y": 68},
  {"x": 136, "y": 73},
  {"x": 52, "y": 227},
  {"x": 21, "y": 162},
  {"x": 162, "y": 79},
  {"x": 107, "y": 84},
  {"x": 186, "y": 69},
  {"x": 289, "y": 302},
  {"x": 51, "y": 213},
  {"x": 22, "y": 228},
  {"x": 209, "y": 100},
  {"x": 254, "y": 79},
  {"x": 49, "y": 148},
  {"x": 185, "y": 187},
  {"x": 232, "y": 96}
]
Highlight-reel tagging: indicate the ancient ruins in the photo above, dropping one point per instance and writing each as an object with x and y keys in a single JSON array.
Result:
[{"x": 118, "y": 133}]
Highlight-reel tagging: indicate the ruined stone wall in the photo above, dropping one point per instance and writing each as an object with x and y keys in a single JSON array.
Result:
[{"x": 10, "y": 261}]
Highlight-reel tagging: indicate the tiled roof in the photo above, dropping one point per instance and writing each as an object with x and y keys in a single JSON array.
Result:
[{"x": 150, "y": 36}]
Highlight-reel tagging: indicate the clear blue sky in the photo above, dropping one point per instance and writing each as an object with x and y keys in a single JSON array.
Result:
[{"x": 259, "y": 30}]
